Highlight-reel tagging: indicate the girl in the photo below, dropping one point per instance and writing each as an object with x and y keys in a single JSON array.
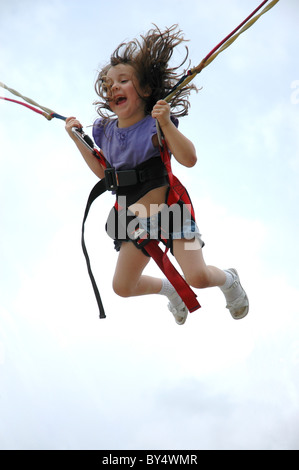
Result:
[{"x": 131, "y": 87}]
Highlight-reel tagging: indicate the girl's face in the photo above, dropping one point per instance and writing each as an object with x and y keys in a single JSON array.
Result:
[{"x": 124, "y": 95}]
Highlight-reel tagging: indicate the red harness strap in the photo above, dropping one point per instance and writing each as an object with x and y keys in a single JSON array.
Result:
[
  {"x": 176, "y": 193},
  {"x": 174, "y": 277}
]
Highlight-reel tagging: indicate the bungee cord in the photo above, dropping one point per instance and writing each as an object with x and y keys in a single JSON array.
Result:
[
  {"x": 23, "y": 104},
  {"x": 153, "y": 250},
  {"x": 49, "y": 114},
  {"x": 224, "y": 44}
]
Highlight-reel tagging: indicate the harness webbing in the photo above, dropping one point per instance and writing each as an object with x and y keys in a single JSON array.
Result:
[
  {"x": 97, "y": 190},
  {"x": 174, "y": 277},
  {"x": 151, "y": 246},
  {"x": 153, "y": 249}
]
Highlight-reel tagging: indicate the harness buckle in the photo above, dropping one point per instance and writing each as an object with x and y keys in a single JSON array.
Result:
[
  {"x": 140, "y": 237},
  {"x": 115, "y": 178},
  {"x": 111, "y": 179}
]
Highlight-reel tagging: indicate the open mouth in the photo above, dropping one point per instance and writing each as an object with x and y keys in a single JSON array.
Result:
[{"x": 120, "y": 100}]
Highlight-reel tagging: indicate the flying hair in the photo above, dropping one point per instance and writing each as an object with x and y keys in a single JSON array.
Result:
[{"x": 150, "y": 57}]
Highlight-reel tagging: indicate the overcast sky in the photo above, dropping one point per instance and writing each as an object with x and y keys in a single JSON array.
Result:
[{"x": 136, "y": 380}]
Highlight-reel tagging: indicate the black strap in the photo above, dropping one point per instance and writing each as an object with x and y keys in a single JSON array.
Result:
[
  {"x": 102, "y": 186},
  {"x": 148, "y": 171},
  {"x": 119, "y": 178},
  {"x": 98, "y": 189}
]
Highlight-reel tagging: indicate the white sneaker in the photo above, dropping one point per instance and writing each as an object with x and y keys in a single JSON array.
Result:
[
  {"x": 239, "y": 307},
  {"x": 180, "y": 312}
]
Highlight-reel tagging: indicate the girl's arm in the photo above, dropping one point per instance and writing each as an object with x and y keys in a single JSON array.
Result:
[
  {"x": 88, "y": 156},
  {"x": 182, "y": 148}
]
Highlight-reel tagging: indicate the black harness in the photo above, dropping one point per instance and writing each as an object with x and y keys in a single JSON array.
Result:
[{"x": 135, "y": 183}]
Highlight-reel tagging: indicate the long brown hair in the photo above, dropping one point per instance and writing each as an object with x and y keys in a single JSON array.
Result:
[{"x": 149, "y": 56}]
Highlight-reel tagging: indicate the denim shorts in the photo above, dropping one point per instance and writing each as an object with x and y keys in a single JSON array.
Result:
[
  {"x": 184, "y": 229},
  {"x": 187, "y": 230}
]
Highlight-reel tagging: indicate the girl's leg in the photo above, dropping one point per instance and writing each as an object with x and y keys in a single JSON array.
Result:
[
  {"x": 128, "y": 280},
  {"x": 199, "y": 275},
  {"x": 188, "y": 254}
]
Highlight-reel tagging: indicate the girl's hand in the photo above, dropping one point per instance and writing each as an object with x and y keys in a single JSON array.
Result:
[
  {"x": 72, "y": 122},
  {"x": 161, "y": 112},
  {"x": 181, "y": 148}
]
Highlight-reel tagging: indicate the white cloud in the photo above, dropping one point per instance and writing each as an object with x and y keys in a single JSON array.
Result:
[
  {"x": 136, "y": 379},
  {"x": 138, "y": 366}
]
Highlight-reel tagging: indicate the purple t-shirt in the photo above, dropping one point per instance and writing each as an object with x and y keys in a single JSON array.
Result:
[{"x": 125, "y": 148}]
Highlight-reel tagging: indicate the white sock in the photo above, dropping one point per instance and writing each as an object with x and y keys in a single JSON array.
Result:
[
  {"x": 228, "y": 281},
  {"x": 231, "y": 293},
  {"x": 170, "y": 292}
]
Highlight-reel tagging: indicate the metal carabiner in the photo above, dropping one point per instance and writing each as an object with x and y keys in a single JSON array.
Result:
[
  {"x": 84, "y": 138},
  {"x": 159, "y": 134}
]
